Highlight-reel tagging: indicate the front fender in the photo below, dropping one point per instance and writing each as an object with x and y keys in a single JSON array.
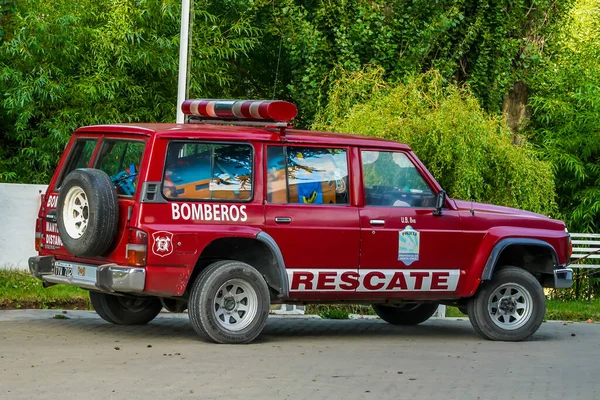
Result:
[
  {"x": 490, "y": 265},
  {"x": 495, "y": 241}
]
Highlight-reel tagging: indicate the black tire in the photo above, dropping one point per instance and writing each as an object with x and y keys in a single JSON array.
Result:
[
  {"x": 506, "y": 278},
  {"x": 102, "y": 212},
  {"x": 125, "y": 310},
  {"x": 405, "y": 314},
  {"x": 203, "y": 310}
]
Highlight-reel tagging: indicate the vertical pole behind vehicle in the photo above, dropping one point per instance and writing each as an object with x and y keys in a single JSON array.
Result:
[{"x": 183, "y": 58}]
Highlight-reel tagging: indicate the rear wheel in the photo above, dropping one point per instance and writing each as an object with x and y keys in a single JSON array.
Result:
[
  {"x": 125, "y": 310},
  {"x": 405, "y": 314},
  {"x": 510, "y": 307},
  {"x": 229, "y": 303}
]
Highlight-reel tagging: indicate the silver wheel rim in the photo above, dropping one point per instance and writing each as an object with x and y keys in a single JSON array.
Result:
[
  {"x": 510, "y": 306},
  {"x": 235, "y": 305},
  {"x": 76, "y": 212}
]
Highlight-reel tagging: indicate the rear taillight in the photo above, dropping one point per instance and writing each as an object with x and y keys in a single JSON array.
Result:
[
  {"x": 38, "y": 234},
  {"x": 137, "y": 248}
]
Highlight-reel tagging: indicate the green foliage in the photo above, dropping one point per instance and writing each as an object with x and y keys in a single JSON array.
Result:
[
  {"x": 334, "y": 313},
  {"x": 469, "y": 151},
  {"x": 6, "y": 11},
  {"x": 66, "y": 64},
  {"x": 566, "y": 118},
  {"x": 556, "y": 310},
  {"x": 486, "y": 44},
  {"x": 324, "y": 309},
  {"x": 19, "y": 289}
]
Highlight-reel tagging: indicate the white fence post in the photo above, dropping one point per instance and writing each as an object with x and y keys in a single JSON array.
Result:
[{"x": 583, "y": 245}]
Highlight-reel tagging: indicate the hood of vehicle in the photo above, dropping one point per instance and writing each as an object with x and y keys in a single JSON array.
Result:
[{"x": 467, "y": 206}]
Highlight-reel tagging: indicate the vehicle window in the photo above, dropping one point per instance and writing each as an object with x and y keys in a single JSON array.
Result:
[
  {"x": 314, "y": 175},
  {"x": 391, "y": 179},
  {"x": 203, "y": 171},
  {"x": 80, "y": 157},
  {"x": 121, "y": 160}
]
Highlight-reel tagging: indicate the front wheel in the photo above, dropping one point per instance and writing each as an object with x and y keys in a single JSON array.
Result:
[
  {"x": 405, "y": 314},
  {"x": 125, "y": 310},
  {"x": 229, "y": 303},
  {"x": 510, "y": 307}
]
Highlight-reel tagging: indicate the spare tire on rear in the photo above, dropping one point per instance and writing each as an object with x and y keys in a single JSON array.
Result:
[{"x": 87, "y": 212}]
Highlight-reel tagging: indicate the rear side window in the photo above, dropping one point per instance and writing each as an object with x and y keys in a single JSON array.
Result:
[
  {"x": 307, "y": 175},
  {"x": 121, "y": 160},
  {"x": 208, "y": 171},
  {"x": 80, "y": 157}
]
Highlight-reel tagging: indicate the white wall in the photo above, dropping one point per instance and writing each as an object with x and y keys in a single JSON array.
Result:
[{"x": 19, "y": 205}]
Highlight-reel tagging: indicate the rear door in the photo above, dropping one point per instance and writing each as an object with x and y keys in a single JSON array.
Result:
[
  {"x": 309, "y": 213},
  {"x": 121, "y": 157},
  {"x": 79, "y": 154}
]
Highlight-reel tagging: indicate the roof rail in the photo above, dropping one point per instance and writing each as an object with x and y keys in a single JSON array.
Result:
[{"x": 242, "y": 122}]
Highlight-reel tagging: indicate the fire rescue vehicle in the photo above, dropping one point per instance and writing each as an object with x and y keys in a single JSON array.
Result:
[{"x": 235, "y": 210}]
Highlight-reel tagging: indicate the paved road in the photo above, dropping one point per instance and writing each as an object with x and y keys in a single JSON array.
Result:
[{"x": 295, "y": 358}]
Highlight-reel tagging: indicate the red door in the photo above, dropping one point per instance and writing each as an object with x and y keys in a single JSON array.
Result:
[
  {"x": 309, "y": 214},
  {"x": 121, "y": 158},
  {"x": 406, "y": 250}
]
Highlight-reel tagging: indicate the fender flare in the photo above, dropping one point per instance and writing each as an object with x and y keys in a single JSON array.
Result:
[
  {"x": 490, "y": 265},
  {"x": 274, "y": 248}
]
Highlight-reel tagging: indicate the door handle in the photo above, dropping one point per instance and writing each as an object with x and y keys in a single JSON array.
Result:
[
  {"x": 283, "y": 220},
  {"x": 377, "y": 222}
]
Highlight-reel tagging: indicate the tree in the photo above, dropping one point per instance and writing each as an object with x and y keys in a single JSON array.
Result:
[
  {"x": 469, "y": 151},
  {"x": 66, "y": 64},
  {"x": 566, "y": 115},
  {"x": 489, "y": 45}
]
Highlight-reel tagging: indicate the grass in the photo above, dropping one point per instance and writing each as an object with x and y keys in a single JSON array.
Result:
[
  {"x": 18, "y": 289},
  {"x": 573, "y": 310},
  {"x": 559, "y": 310}
]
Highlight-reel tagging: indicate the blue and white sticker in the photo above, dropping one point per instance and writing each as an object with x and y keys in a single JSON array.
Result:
[{"x": 408, "y": 245}]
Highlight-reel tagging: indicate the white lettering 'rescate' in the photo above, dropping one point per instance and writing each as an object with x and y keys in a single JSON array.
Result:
[{"x": 326, "y": 280}]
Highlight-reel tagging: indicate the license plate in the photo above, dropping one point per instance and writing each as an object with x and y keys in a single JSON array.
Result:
[{"x": 63, "y": 270}]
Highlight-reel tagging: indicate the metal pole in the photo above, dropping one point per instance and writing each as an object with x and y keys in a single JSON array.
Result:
[
  {"x": 589, "y": 294},
  {"x": 183, "y": 58}
]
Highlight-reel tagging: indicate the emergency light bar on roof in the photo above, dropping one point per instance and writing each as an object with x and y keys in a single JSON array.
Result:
[{"x": 228, "y": 111}]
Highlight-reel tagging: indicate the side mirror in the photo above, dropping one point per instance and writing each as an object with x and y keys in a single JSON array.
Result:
[{"x": 439, "y": 203}]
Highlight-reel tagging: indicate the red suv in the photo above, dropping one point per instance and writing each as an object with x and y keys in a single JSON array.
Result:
[{"x": 234, "y": 210}]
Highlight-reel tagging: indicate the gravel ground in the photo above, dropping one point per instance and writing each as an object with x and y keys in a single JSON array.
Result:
[{"x": 83, "y": 357}]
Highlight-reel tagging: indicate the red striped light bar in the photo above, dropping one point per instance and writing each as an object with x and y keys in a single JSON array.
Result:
[{"x": 264, "y": 110}]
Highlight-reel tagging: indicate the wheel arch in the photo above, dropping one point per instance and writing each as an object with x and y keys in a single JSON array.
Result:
[
  {"x": 261, "y": 252},
  {"x": 533, "y": 255}
]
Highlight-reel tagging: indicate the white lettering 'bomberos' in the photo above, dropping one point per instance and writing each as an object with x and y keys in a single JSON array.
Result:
[
  {"x": 209, "y": 212},
  {"x": 334, "y": 280}
]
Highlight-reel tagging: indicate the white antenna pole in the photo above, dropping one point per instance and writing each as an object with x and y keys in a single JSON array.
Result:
[{"x": 183, "y": 58}]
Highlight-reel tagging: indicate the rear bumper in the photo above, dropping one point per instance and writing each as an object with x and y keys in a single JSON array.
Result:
[
  {"x": 563, "y": 278},
  {"x": 107, "y": 278}
]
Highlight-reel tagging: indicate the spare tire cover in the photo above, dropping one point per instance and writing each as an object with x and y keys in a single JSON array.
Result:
[{"x": 87, "y": 212}]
